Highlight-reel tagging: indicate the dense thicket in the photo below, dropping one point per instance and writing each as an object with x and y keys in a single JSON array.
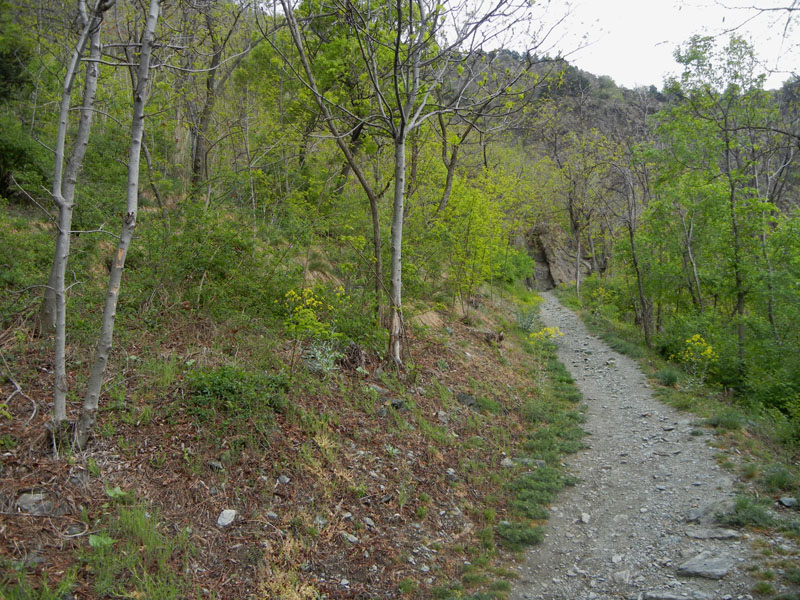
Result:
[{"x": 269, "y": 153}]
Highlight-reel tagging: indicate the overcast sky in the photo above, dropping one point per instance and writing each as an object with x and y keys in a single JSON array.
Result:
[{"x": 632, "y": 41}]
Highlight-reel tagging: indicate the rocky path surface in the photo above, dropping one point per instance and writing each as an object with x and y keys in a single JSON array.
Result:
[{"x": 640, "y": 523}]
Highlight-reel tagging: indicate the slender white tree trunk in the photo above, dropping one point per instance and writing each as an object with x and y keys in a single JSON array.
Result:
[
  {"x": 396, "y": 287},
  {"x": 52, "y": 315},
  {"x": 578, "y": 265},
  {"x": 92, "y": 397}
]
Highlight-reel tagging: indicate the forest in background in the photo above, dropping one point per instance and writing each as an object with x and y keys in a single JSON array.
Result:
[
  {"x": 230, "y": 232},
  {"x": 267, "y": 171}
]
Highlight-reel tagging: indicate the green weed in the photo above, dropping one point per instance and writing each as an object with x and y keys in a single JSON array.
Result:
[
  {"x": 130, "y": 555},
  {"x": 728, "y": 419},
  {"x": 15, "y": 585},
  {"x": 749, "y": 512},
  {"x": 778, "y": 478},
  {"x": 668, "y": 377},
  {"x": 518, "y": 535}
]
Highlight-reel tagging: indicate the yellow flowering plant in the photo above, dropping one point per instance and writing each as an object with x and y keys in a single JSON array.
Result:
[
  {"x": 549, "y": 334},
  {"x": 308, "y": 318},
  {"x": 307, "y": 315},
  {"x": 698, "y": 356}
]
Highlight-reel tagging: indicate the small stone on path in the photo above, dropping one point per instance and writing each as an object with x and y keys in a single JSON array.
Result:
[
  {"x": 711, "y": 533},
  {"x": 708, "y": 513},
  {"x": 226, "y": 517},
  {"x": 706, "y": 565}
]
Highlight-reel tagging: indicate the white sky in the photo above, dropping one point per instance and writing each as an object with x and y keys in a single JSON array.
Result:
[{"x": 632, "y": 41}]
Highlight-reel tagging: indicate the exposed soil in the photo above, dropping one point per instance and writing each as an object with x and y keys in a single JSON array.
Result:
[
  {"x": 348, "y": 495},
  {"x": 621, "y": 532}
]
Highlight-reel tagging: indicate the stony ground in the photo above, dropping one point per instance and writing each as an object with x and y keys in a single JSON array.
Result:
[{"x": 640, "y": 524}]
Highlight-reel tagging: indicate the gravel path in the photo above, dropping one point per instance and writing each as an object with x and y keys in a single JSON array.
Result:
[{"x": 624, "y": 531}]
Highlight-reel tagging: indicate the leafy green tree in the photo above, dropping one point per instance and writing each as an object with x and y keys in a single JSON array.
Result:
[
  {"x": 722, "y": 102},
  {"x": 421, "y": 44}
]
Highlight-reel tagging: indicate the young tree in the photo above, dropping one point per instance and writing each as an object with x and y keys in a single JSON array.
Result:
[
  {"x": 723, "y": 94},
  {"x": 92, "y": 396},
  {"x": 53, "y": 310},
  {"x": 406, "y": 51}
]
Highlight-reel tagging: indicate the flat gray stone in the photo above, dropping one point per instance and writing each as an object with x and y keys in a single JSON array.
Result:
[
  {"x": 712, "y": 533},
  {"x": 36, "y": 504},
  {"x": 788, "y": 502},
  {"x": 226, "y": 517},
  {"x": 349, "y": 537},
  {"x": 707, "y": 514},
  {"x": 662, "y": 596},
  {"x": 706, "y": 565},
  {"x": 623, "y": 577}
]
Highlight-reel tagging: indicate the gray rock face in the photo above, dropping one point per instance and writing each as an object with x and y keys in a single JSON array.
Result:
[
  {"x": 706, "y": 565},
  {"x": 559, "y": 258},
  {"x": 226, "y": 517}
]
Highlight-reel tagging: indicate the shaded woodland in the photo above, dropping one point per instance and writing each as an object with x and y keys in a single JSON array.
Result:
[{"x": 320, "y": 175}]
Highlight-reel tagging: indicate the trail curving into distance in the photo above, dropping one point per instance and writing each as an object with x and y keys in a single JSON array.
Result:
[{"x": 640, "y": 523}]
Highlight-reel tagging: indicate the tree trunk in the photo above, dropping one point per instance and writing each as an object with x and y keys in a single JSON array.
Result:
[
  {"x": 376, "y": 251},
  {"x": 694, "y": 283},
  {"x": 53, "y": 310},
  {"x": 92, "y": 397},
  {"x": 647, "y": 308},
  {"x": 396, "y": 288},
  {"x": 578, "y": 266},
  {"x": 63, "y": 187},
  {"x": 450, "y": 163}
]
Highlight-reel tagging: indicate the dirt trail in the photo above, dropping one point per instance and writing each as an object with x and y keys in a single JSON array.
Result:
[{"x": 623, "y": 531}]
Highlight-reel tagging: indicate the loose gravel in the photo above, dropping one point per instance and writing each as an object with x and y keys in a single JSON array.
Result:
[{"x": 624, "y": 531}]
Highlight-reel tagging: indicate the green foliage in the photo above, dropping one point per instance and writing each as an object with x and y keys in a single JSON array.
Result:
[
  {"x": 749, "y": 512},
  {"x": 130, "y": 555},
  {"x": 728, "y": 419},
  {"x": 778, "y": 478},
  {"x": 667, "y": 377},
  {"x": 205, "y": 260},
  {"x": 534, "y": 491},
  {"x": 20, "y": 157},
  {"x": 519, "y": 535},
  {"x": 231, "y": 397},
  {"x": 25, "y": 253},
  {"x": 15, "y": 585}
]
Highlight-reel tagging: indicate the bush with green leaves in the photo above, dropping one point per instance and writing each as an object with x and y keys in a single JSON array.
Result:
[
  {"x": 517, "y": 535},
  {"x": 235, "y": 394},
  {"x": 667, "y": 376},
  {"x": 205, "y": 260}
]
